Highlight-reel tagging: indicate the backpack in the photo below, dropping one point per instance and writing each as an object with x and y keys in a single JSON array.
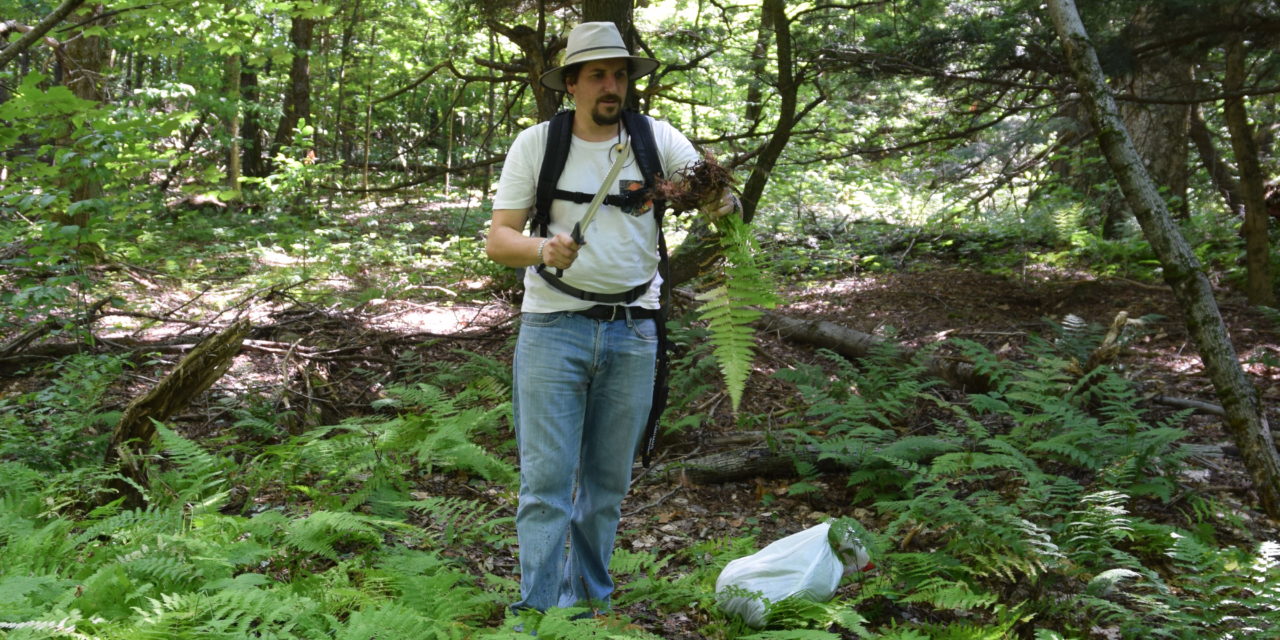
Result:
[{"x": 559, "y": 138}]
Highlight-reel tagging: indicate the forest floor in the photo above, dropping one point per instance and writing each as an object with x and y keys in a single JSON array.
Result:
[
  {"x": 930, "y": 302},
  {"x": 917, "y": 307}
]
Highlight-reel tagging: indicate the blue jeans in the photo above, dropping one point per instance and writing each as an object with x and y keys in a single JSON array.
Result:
[{"x": 582, "y": 394}]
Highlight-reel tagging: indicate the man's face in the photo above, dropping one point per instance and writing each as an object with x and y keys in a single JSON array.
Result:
[{"x": 601, "y": 88}]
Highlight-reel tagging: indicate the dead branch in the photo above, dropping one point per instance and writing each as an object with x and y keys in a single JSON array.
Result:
[{"x": 193, "y": 375}]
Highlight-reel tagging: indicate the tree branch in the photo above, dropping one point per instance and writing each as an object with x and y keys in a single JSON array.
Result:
[{"x": 10, "y": 52}]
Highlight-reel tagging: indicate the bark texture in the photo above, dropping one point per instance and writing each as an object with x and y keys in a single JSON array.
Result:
[
  {"x": 297, "y": 99},
  {"x": 1219, "y": 173},
  {"x": 1244, "y": 420},
  {"x": 1252, "y": 192},
  {"x": 193, "y": 375}
]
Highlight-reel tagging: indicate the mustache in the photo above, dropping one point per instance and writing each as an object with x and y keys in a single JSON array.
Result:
[{"x": 608, "y": 96}]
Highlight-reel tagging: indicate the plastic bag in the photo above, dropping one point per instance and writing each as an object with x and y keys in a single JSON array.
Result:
[{"x": 805, "y": 565}]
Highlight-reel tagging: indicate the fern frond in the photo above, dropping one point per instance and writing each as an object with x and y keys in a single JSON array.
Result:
[
  {"x": 452, "y": 520},
  {"x": 729, "y": 309},
  {"x": 319, "y": 532},
  {"x": 946, "y": 594},
  {"x": 197, "y": 475}
]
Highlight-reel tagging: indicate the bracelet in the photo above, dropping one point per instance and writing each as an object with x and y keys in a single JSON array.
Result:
[{"x": 541, "y": 245}]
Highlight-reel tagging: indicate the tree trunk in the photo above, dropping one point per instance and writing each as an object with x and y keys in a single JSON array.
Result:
[
  {"x": 854, "y": 344},
  {"x": 231, "y": 79},
  {"x": 700, "y": 248},
  {"x": 297, "y": 99},
  {"x": 539, "y": 58},
  {"x": 85, "y": 58},
  {"x": 194, "y": 374},
  {"x": 1215, "y": 165},
  {"x": 254, "y": 164},
  {"x": 342, "y": 147},
  {"x": 754, "y": 108},
  {"x": 1256, "y": 244},
  {"x": 1160, "y": 131},
  {"x": 1245, "y": 420},
  {"x": 746, "y": 464}
]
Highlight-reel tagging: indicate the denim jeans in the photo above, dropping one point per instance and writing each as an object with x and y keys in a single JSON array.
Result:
[{"x": 582, "y": 394}]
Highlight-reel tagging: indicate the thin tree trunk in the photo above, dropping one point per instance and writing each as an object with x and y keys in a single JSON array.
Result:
[
  {"x": 231, "y": 73},
  {"x": 1215, "y": 165},
  {"x": 1256, "y": 243},
  {"x": 85, "y": 58},
  {"x": 254, "y": 164},
  {"x": 368, "y": 113},
  {"x": 759, "y": 63},
  {"x": 341, "y": 135},
  {"x": 1245, "y": 420}
]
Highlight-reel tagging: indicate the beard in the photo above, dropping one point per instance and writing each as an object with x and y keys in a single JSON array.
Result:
[{"x": 604, "y": 118}]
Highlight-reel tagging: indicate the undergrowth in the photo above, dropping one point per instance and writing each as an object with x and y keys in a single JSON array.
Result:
[{"x": 1024, "y": 511}]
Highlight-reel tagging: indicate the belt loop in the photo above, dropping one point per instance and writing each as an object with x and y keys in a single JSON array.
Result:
[{"x": 626, "y": 311}]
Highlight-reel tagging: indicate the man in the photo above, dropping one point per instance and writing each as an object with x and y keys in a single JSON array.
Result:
[{"x": 584, "y": 360}]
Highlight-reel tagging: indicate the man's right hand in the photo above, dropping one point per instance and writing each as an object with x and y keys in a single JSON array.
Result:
[{"x": 560, "y": 251}]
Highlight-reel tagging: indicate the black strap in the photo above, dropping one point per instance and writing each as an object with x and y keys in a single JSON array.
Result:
[
  {"x": 662, "y": 368},
  {"x": 625, "y": 297},
  {"x": 628, "y": 200},
  {"x": 559, "y": 139}
]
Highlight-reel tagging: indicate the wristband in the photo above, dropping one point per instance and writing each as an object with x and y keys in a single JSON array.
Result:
[{"x": 542, "y": 245}]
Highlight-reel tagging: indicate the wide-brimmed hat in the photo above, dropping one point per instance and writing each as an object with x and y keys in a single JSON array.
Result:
[{"x": 596, "y": 41}]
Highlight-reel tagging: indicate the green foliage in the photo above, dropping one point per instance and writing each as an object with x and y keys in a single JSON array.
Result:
[
  {"x": 730, "y": 308},
  {"x": 1027, "y": 487},
  {"x": 63, "y": 425}
]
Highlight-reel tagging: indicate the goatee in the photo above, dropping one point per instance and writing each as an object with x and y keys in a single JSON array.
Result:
[
  {"x": 606, "y": 119},
  {"x": 603, "y": 118}
]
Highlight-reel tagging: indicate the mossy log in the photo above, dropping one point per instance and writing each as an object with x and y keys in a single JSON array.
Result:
[{"x": 193, "y": 375}]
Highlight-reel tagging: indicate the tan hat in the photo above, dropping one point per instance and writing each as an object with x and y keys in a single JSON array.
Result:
[{"x": 596, "y": 41}]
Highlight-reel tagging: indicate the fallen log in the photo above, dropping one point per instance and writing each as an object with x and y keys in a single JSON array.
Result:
[
  {"x": 193, "y": 375},
  {"x": 854, "y": 344},
  {"x": 741, "y": 464}
]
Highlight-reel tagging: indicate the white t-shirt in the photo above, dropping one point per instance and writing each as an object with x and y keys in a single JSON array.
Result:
[{"x": 620, "y": 252}]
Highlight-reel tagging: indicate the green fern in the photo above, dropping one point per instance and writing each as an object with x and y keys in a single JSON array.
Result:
[
  {"x": 730, "y": 308},
  {"x": 321, "y": 532},
  {"x": 197, "y": 475}
]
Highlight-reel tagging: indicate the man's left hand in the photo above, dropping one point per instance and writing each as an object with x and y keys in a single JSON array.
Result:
[{"x": 720, "y": 207}]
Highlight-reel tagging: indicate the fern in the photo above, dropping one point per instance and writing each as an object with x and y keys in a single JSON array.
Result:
[
  {"x": 729, "y": 309},
  {"x": 321, "y": 532},
  {"x": 392, "y": 620},
  {"x": 451, "y": 521},
  {"x": 198, "y": 475}
]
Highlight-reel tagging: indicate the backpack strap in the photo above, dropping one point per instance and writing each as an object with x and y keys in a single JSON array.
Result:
[
  {"x": 559, "y": 137},
  {"x": 646, "y": 150}
]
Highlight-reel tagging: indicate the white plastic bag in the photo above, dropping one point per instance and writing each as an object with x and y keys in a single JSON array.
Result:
[{"x": 805, "y": 565}]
